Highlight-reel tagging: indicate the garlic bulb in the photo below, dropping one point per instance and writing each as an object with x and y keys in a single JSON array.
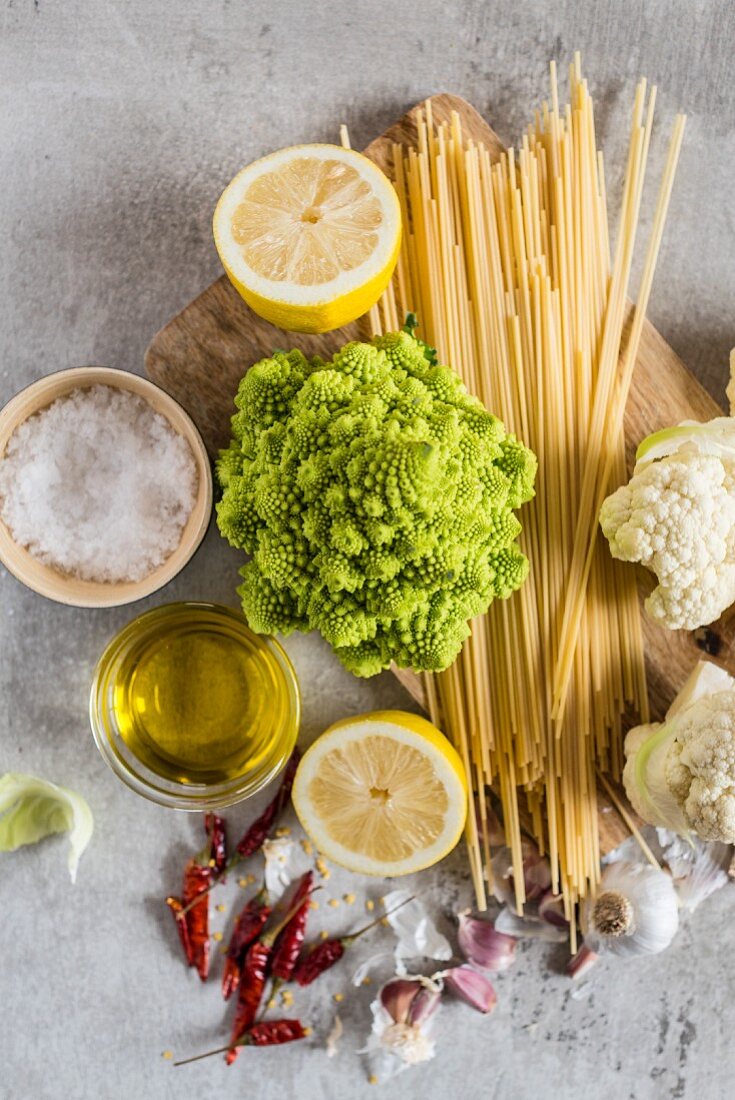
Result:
[{"x": 635, "y": 911}]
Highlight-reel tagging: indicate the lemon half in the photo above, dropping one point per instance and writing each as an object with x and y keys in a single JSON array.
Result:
[
  {"x": 382, "y": 794},
  {"x": 309, "y": 236}
]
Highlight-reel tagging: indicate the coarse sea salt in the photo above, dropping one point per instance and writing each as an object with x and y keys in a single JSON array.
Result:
[{"x": 98, "y": 485}]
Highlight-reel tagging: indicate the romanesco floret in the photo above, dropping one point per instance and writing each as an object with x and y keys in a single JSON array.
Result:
[{"x": 376, "y": 498}]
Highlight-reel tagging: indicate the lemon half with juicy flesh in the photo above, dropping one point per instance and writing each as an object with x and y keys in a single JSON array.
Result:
[
  {"x": 309, "y": 236},
  {"x": 382, "y": 794}
]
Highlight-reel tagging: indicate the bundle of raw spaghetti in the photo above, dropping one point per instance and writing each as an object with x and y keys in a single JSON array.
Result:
[{"x": 506, "y": 261}]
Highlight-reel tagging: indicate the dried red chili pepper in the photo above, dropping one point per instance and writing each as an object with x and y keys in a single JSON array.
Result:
[
  {"x": 291, "y": 939},
  {"x": 255, "y": 970},
  {"x": 252, "y": 984},
  {"x": 248, "y": 927},
  {"x": 324, "y": 955},
  {"x": 268, "y": 1033},
  {"x": 217, "y": 833},
  {"x": 252, "y": 840},
  {"x": 196, "y": 882},
  {"x": 176, "y": 906},
  {"x": 321, "y": 958}
]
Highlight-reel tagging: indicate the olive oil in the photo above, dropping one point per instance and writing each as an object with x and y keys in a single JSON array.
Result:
[{"x": 190, "y": 696}]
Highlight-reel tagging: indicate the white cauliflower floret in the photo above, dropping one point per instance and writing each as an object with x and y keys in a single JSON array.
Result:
[
  {"x": 680, "y": 774},
  {"x": 676, "y": 516},
  {"x": 700, "y": 766}
]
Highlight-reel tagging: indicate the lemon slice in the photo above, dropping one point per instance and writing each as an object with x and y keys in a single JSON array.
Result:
[
  {"x": 309, "y": 236},
  {"x": 382, "y": 794}
]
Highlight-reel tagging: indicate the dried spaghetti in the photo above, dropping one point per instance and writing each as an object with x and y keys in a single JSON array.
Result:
[{"x": 507, "y": 263}]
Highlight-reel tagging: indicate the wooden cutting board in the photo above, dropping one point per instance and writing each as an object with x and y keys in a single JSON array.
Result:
[{"x": 201, "y": 355}]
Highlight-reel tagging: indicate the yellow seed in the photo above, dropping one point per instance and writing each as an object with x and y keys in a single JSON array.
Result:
[
  {"x": 369, "y": 905},
  {"x": 223, "y": 950},
  {"x": 307, "y": 846},
  {"x": 372, "y": 1079},
  {"x": 221, "y": 908},
  {"x": 271, "y": 1003},
  {"x": 307, "y": 1031},
  {"x": 334, "y": 902},
  {"x": 168, "y": 1055},
  {"x": 385, "y": 922},
  {"x": 287, "y": 997},
  {"x": 349, "y": 899},
  {"x": 313, "y": 904},
  {"x": 321, "y": 865},
  {"x": 339, "y": 997},
  {"x": 242, "y": 882},
  {"x": 326, "y": 874},
  {"x": 382, "y": 901},
  {"x": 217, "y": 936},
  {"x": 250, "y": 880},
  {"x": 283, "y": 831},
  {"x": 367, "y": 980},
  {"x": 324, "y": 935}
]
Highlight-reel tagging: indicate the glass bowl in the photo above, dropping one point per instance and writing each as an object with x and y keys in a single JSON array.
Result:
[{"x": 137, "y": 717}]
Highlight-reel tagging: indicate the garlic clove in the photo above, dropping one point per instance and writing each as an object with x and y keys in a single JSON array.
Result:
[
  {"x": 536, "y": 874},
  {"x": 582, "y": 962},
  {"x": 396, "y": 997},
  {"x": 472, "y": 987},
  {"x": 483, "y": 945},
  {"x": 423, "y": 1006},
  {"x": 529, "y": 928},
  {"x": 551, "y": 910}
]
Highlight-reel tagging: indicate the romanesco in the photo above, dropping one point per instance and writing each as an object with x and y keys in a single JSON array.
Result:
[{"x": 376, "y": 498}]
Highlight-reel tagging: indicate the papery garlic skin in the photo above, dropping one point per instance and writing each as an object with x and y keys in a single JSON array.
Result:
[{"x": 634, "y": 913}]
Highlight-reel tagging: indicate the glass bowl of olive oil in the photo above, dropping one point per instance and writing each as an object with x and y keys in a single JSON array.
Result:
[{"x": 193, "y": 710}]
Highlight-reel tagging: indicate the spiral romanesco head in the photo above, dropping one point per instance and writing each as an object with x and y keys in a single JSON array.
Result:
[{"x": 376, "y": 498}]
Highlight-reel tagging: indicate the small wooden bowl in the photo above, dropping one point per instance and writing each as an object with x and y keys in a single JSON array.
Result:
[{"x": 67, "y": 589}]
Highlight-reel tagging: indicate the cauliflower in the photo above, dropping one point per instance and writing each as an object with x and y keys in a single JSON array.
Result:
[
  {"x": 676, "y": 516},
  {"x": 376, "y": 498},
  {"x": 680, "y": 774}
]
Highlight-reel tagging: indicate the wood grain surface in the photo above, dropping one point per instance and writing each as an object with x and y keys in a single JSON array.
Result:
[{"x": 200, "y": 356}]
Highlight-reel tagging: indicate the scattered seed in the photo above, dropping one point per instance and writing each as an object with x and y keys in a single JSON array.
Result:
[
  {"x": 307, "y": 1031},
  {"x": 369, "y": 905},
  {"x": 250, "y": 879},
  {"x": 324, "y": 935},
  {"x": 221, "y": 908},
  {"x": 168, "y": 1055},
  {"x": 271, "y": 1003},
  {"x": 385, "y": 922},
  {"x": 339, "y": 997},
  {"x": 217, "y": 936},
  {"x": 372, "y": 1079},
  {"x": 307, "y": 846},
  {"x": 313, "y": 904},
  {"x": 349, "y": 899},
  {"x": 223, "y": 950},
  {"x": 367, "y": 980},
  {"x": 242, "y": 882},
  {"x": 287, "y": 997},
  {"x": 334, "y": 902}
]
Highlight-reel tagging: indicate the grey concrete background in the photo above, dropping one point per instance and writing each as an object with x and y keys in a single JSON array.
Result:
[{"x": 121, "y": 121}]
